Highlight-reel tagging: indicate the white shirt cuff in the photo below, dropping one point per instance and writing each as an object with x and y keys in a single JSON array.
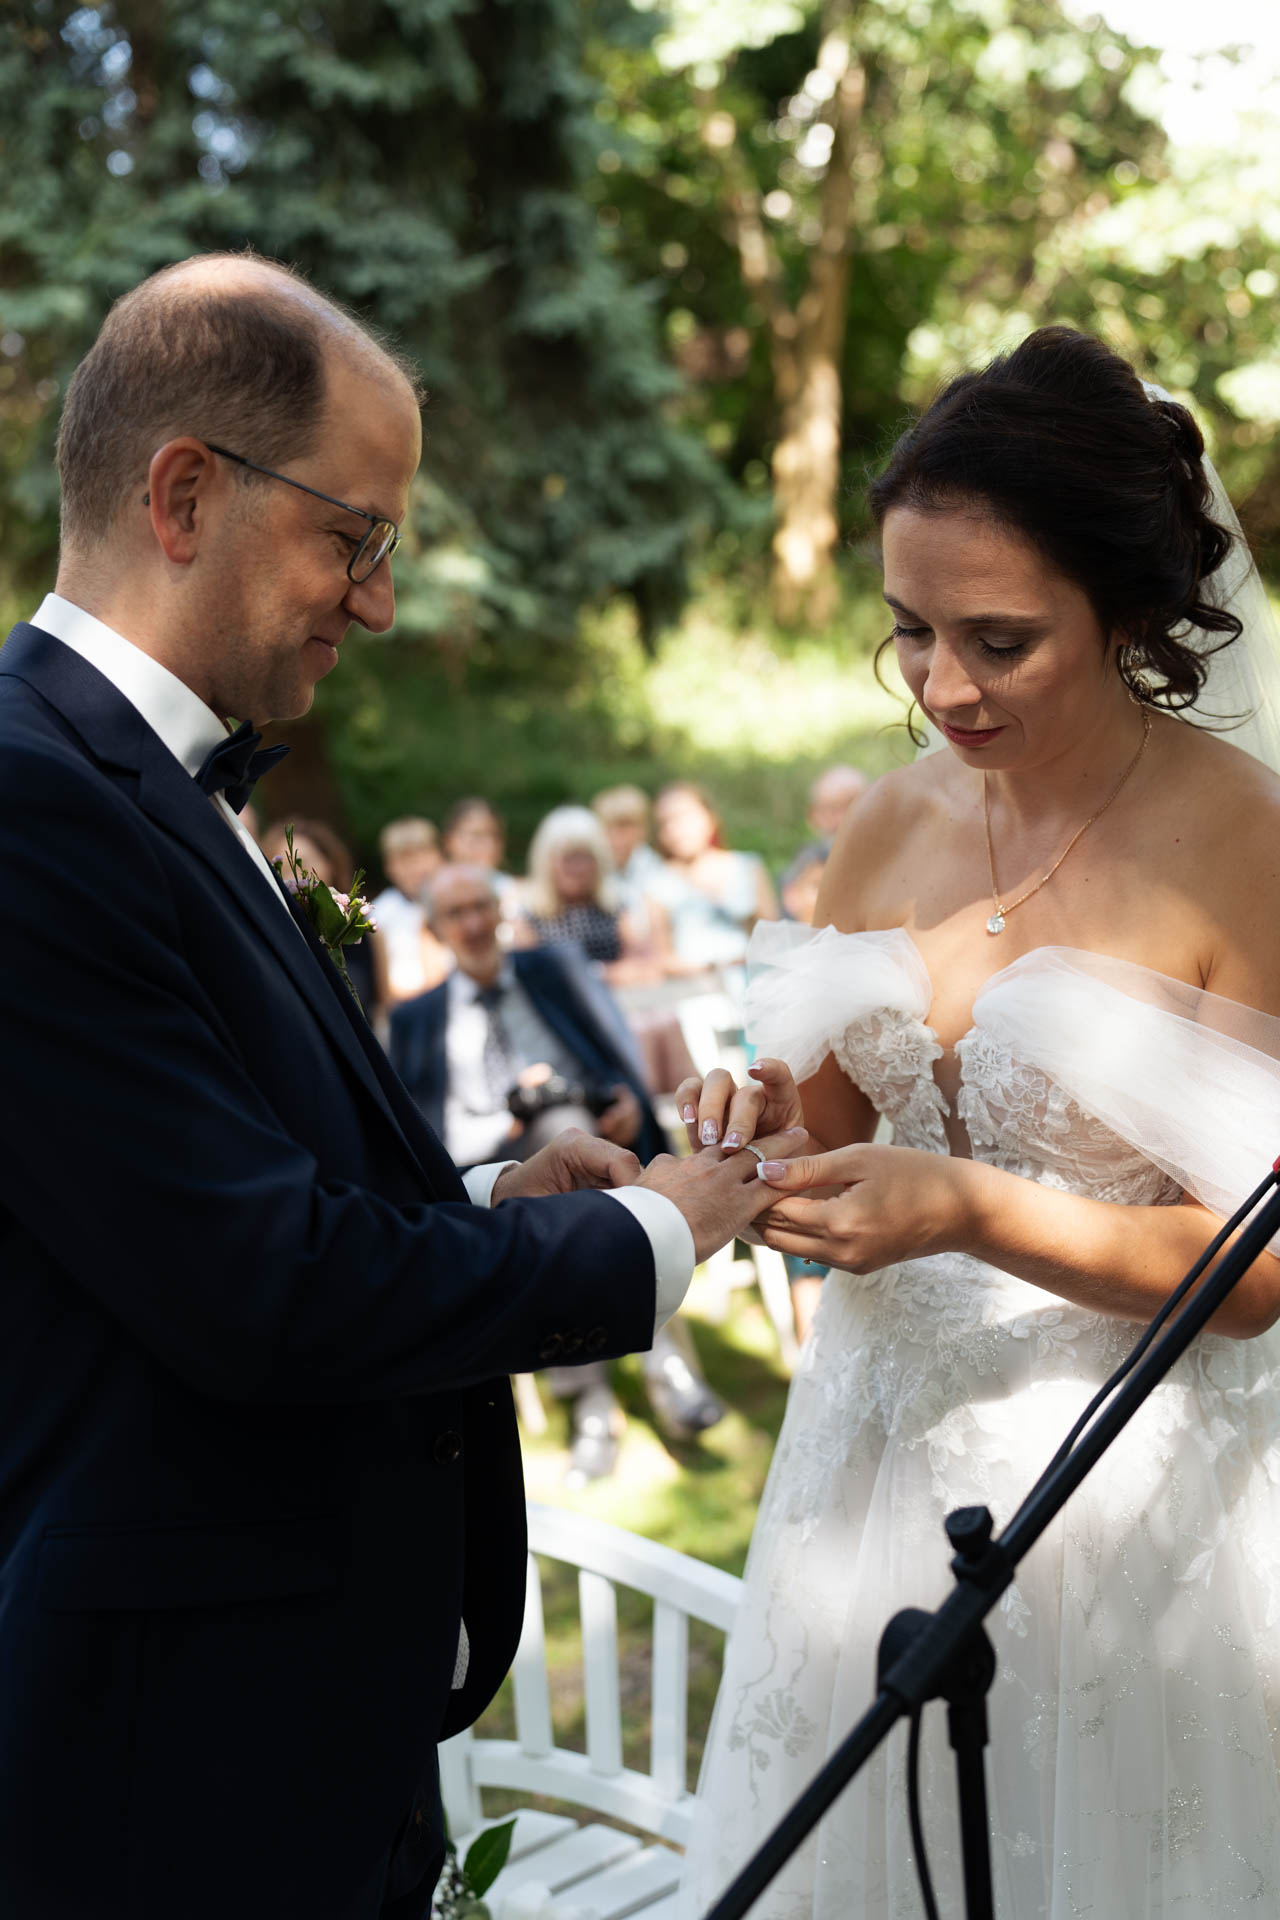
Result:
[
  {"x": 481, "y": 1181},
  {"x": 670, "y": 1240}
]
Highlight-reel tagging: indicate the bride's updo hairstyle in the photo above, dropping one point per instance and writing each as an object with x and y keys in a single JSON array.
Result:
[{"x": 1059, "y": 442}]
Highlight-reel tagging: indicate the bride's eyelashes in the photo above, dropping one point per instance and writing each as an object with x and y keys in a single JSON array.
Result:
[{"x": 991, "y": 648}]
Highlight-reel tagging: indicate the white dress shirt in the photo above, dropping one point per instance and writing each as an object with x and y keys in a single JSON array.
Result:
[{"x": 189, "y": 729}]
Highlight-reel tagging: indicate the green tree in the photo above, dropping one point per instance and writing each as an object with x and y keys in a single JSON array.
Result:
[
  {"x": 812, "y": 179},
  {"x": 423, "y": 160}
]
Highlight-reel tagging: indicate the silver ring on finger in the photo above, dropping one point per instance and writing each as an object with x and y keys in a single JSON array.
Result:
[{"x": 749, "y": 1146}]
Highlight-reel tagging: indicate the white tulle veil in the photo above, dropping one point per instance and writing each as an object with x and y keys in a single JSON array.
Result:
[{"x": 1241, "y": 695}]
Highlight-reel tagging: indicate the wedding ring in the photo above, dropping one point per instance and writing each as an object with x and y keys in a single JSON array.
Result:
[{"x": 751, "y": 1147}]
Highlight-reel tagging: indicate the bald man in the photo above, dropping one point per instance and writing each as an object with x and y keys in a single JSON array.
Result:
[
  {"x": 830, "y": 798},
  {"x": 261, "y": 1512}
]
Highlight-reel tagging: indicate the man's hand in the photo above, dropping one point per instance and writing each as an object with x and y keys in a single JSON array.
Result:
[
  {"x": 720, "y": 1193},
  {"x": 573, "y": 1161}
]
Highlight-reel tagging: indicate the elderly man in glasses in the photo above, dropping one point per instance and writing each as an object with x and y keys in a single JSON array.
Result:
[{"x": 261, "y": 1513}]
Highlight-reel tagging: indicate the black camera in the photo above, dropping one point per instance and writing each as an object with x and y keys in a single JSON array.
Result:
[{"x": 526, "y": 1103}]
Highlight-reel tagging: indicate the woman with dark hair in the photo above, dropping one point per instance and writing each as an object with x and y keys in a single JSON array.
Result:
[{"x": 1045, "y": 953}]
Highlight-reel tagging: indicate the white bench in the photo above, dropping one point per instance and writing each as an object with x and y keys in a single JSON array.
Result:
[{"x": 600, "y": 1868}]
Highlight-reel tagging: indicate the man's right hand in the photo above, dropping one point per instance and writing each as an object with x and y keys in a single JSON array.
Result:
[{"x": 720, "y": 1193}]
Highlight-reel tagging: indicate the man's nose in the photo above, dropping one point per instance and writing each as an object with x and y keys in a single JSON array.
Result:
[
  {"x": 949, "y": 685},
  {"x": 372, "y": 603}
]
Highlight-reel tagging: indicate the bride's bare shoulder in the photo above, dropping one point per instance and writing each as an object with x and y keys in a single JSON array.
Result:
[
  {"x": 1229, "y": 807},
  {"x": 896, "y": 809}
]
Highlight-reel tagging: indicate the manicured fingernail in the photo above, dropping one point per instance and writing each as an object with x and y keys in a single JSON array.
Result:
[
  {"x": 772, "y": 1170},
  {"x": 796, "y": 1130},
  {"x": 688, "y": 1113},
  {"x": 710, "y": 1133},
  {"x": 754, "y": 1072},
  {"x": 732, "y": 1141}
]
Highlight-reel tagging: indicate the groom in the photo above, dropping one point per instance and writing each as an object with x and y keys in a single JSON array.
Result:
[{"x": 261, "y": 1513}]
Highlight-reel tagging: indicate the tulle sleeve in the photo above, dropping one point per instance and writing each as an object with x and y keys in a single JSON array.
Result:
[
  {"x": 1189, "y": 1079},
  {"x": 804, "y": 989}
]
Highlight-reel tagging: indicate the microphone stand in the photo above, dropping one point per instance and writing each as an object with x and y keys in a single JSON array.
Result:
[{"x": 924, "y": 1656}]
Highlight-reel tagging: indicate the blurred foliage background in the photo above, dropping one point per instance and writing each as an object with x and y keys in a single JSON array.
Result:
[{"x": 675, "y": 270}]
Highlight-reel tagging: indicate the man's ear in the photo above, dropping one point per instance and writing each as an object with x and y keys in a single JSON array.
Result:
[{"x": 181, "y": 481}]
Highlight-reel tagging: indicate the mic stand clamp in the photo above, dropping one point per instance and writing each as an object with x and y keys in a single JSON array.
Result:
[{"x": 963, "y": 1681}]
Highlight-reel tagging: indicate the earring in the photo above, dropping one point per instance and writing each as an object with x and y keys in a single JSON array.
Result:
[{"x": 1129, "y": 659}]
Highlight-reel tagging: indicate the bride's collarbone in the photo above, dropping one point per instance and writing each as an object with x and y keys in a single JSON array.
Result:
[{"x": 961, "y": 957}]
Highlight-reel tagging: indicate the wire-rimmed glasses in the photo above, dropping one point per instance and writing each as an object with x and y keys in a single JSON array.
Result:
[{"x": 378, "y": 544}]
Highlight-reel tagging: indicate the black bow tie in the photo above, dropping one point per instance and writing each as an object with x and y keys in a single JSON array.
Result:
[{"x": 234, "y": 765}]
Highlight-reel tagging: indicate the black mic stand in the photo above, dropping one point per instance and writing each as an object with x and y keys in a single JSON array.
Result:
[{"x": 924, "y": 1656}]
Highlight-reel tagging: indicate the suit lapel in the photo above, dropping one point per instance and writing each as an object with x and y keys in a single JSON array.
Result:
[
  {"x": 422, "y": 1143},
  {"x": 116, "y": 735}
]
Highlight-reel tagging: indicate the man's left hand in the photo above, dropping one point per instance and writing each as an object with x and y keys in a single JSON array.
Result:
[{"x": 573, "y": 1161}]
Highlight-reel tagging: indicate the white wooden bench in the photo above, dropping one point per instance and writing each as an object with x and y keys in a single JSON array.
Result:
[{"x": 595, "y": 1867}]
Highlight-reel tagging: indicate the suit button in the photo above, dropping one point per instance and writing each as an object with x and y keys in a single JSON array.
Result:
[
  {"x": 447, "y": 1448},
  {"x": 597, "y": 1340},
  {"x": 551, "y": 1348},
  {"x": 572, "y": 1343}
]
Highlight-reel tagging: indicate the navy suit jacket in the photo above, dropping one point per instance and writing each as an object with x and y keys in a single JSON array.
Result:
[
  {"x": 257, "y": 1450},
  {"x": 563, "y": 994}
]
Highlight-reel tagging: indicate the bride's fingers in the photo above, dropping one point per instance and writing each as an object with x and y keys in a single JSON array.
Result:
[
  {"x": 810, "y": 1170},
  {"x": 713, "y": 1106},
  {"x": 746, "y": 1110},
  {"x": 687, "y": 1096},
  {"x": 778, "y": 1082}
]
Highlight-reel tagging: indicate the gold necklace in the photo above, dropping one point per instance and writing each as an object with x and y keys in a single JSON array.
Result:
[{"x": 996, "y": 923}]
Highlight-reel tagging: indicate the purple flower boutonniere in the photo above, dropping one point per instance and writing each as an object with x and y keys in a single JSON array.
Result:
[{"x": 338, "y": 920}]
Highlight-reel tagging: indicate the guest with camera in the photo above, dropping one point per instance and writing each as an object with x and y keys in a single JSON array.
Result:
[{"x": 504, "y": 1055}]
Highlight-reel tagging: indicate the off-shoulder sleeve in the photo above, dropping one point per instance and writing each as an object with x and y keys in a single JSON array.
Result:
[
  {"x": 1189, "y": 1079},
  {"x": 804, "y": 989}
]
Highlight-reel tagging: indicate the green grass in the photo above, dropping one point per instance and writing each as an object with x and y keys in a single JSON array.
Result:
[{"x": 699, "y": 1497}]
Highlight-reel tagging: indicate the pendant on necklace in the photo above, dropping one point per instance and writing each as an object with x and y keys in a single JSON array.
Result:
[{"x": 996, "y": 923}]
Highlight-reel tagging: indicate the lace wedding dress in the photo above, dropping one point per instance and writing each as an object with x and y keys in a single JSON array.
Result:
[{"x": 1133, "y": 1767}]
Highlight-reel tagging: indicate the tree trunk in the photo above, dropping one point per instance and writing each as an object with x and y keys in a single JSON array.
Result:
[{"x": 806, "y": 460}]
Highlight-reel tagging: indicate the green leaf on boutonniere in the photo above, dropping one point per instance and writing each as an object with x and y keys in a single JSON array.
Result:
[
  {"x": 327, "y": 916},
  {"x": 487, "y": 1856}
]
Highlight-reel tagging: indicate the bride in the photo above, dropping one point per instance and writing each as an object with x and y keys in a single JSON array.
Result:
[{"x": 1048, "y": 955}]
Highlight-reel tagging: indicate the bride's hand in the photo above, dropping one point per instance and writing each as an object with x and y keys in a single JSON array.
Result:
[
  {"x": 862, "y": 1208},
  {"x": 717, "y": 1113}
]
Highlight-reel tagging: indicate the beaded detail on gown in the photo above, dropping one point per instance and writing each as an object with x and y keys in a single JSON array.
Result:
[{"x": 1133, "y": 1765}]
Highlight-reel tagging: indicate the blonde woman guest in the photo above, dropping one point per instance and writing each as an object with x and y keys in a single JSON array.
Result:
[{"x": 573, "y": 896}]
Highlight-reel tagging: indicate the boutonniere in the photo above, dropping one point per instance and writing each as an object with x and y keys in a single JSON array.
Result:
[
  {"x": 463, "y": 1883},
  {"x": 338, "y": 920}
]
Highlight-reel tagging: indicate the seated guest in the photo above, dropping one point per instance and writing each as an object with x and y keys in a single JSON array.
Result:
[
  {"x": 410, "y": 853},
  {"x": 503, "y": 1055},
  {"x": 475, "y": 835},
  {"x": 623, "y": 812},
  {"x": 799, "y": 882},
  {"x": 571, "y": 897},
  {"x": 712, "y": 895},
  {"x": 318, "y": 850},
  {"x": 830, "y": 798}
]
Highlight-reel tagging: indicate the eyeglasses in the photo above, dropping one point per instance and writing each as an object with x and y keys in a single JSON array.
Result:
[{"x": 378, "y": 544}]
